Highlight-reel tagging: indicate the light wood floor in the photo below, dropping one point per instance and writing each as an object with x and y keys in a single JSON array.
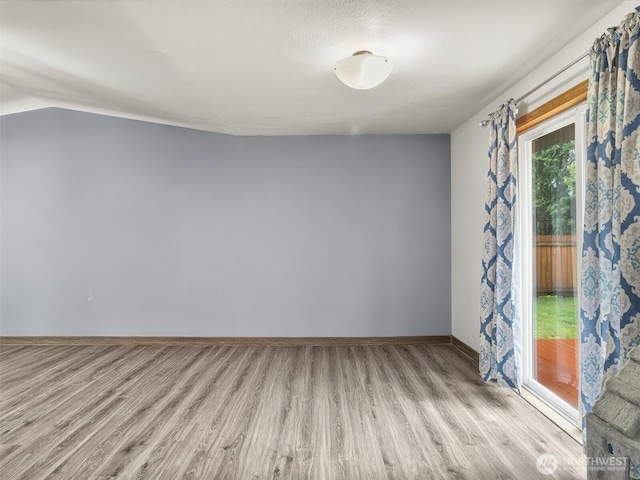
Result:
[{"x": 229, "y": 412}]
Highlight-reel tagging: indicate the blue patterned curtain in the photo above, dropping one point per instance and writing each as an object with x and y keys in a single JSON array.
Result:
[
  {"x": 610, "y": 287},
  {"x": 499, "y": 349}
]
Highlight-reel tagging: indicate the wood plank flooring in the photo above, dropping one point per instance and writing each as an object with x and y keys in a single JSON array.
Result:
[{"x": 250, "y": 412}]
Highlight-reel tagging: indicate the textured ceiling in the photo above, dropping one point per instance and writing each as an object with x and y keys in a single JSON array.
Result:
[{"x": 263, "y": 67}]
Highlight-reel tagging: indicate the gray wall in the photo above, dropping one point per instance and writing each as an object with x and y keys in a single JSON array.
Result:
[{"x": 118, "y": 227}]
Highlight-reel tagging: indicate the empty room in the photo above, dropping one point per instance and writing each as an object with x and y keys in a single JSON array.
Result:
[{"x": 298, "y": 239}]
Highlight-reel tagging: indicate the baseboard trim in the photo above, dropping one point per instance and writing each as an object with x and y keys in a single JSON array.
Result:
[
  {"x": 255, "y": 341},
  {"x": 464, "y": 348}
]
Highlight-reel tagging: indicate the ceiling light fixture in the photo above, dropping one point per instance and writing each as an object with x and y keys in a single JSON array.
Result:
[{"x": 363, "y": 70}]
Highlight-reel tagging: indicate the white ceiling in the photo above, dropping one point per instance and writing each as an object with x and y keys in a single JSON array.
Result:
[{"x": 263, "y": 67}]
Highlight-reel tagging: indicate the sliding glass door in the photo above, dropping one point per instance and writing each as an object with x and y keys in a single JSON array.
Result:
[{"x": 550, "y": 224}]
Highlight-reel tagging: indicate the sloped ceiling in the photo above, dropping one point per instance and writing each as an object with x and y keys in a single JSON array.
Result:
[{"x": 263, "y": 67}]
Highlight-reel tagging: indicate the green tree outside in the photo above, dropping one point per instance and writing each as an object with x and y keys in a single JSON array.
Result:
[
  {"x": 554, "y": 184},
  {"x": 554, "y": 174}
]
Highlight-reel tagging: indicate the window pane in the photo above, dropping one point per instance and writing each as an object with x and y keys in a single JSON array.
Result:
[{"x": 555, "y": 315}]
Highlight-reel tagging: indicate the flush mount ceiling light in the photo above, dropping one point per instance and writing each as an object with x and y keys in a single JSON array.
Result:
[{"x": 363, "y": 70}]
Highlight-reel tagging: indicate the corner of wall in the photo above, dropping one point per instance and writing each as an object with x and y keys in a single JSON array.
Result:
[{"x": 468, "y": 173}]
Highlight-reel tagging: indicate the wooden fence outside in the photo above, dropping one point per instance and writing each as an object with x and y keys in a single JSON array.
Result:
[{"x": 556, "y": 270}]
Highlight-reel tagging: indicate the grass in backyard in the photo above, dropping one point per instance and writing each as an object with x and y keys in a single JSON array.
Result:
[{"x": 556, "y": 317}]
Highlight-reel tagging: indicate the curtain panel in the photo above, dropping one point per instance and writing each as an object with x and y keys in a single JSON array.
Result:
[
  {"x": 610, "y": 285},
  {"x": 499, "y": 347}
]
